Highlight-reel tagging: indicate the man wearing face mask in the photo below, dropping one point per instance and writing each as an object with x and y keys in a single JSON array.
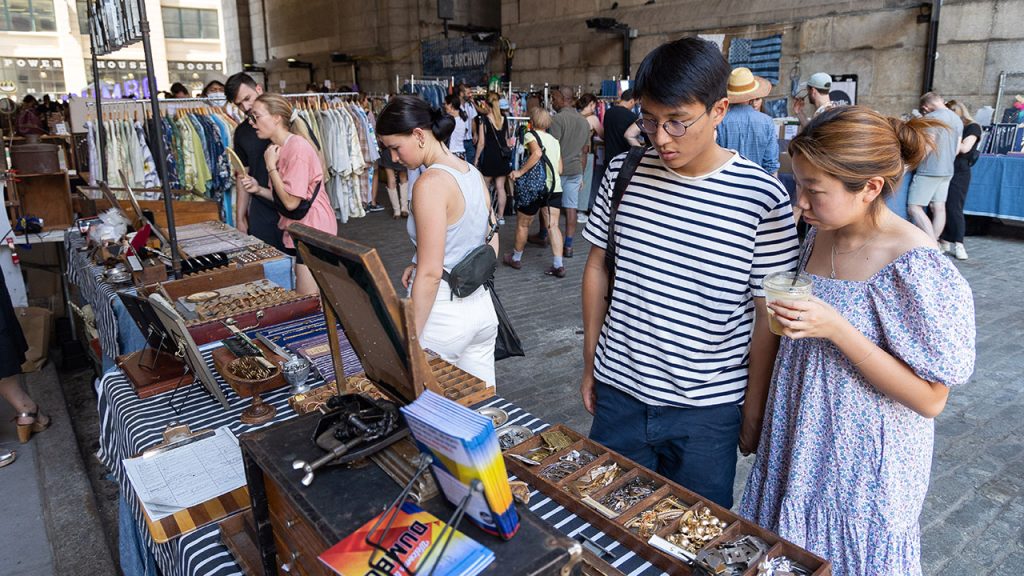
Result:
[{"x": 254, "y": 215}]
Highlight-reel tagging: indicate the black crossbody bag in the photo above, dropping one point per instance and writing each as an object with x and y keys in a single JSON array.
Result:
[
  {"x": 301, "y": 210},
  {"x": 626, "y": 171},
  {"x": 475, "y": 270}
]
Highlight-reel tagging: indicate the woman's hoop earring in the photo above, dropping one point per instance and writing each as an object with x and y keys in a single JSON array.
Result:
[{"x": 421, "y": 144}]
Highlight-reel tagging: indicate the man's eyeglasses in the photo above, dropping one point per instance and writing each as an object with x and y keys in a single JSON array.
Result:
[{"x": 673, "y": 128}]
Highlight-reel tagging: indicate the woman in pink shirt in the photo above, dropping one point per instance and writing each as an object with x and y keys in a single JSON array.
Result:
[{"x": 296, "y": 176}]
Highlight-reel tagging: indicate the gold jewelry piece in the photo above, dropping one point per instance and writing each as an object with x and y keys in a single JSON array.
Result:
[{"x": 656, "y": 518}]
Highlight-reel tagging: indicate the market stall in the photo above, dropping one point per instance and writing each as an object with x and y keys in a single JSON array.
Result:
[{"x": 298, "y": 511}]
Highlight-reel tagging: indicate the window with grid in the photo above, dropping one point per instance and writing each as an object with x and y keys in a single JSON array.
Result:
[
  {"x": 190, "y": 23},
  {"x": 83, "y": 16},
  {"x": 27, "y": 16}
]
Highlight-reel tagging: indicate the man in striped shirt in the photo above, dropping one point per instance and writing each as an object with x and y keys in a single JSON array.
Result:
[{"x": 678, "y": 358}]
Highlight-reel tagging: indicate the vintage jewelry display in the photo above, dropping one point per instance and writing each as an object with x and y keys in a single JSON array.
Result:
[
  {"x": 249, "y": 368},
  {"x": 255, "y": 254},
  {"x": 781, "y": 566},
  {"x": 731, "y": 558},
  {"x": 567, "y": 464},
  {"x": 235, "y": 300},
  {"x": 650, "y": 515},
  {"x": 656, "y": 518},
  {"x": 696, "y": 530},
  {"x": 628, "y": 495},
  {"x": 595, "y": 479},
  {"x": 513, "y": 435}
]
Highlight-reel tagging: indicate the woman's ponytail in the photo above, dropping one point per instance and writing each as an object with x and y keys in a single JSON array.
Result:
[
  {"x": 441, "y": 124},
  {"x": 915, "y": 142}
]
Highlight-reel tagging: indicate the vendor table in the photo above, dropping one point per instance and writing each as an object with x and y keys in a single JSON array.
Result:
[
  {"x": 129, "y": 425},
  {"x": 118, "y": 333},
  {"x": 997, "y": 187}
]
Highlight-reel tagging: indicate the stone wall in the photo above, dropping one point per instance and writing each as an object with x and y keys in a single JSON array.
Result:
[
  {"x": 879, "y": 40},
  {"x": 383, "y": 35}
]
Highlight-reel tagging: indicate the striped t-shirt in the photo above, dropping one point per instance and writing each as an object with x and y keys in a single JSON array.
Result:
[{"x": 692, "y": 253}]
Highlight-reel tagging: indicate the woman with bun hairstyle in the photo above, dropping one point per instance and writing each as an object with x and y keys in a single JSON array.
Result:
[
  {"x": 450, "y": 217},
  {"x": 867, "y": 363},
  {"x": 296, "y": 176}
]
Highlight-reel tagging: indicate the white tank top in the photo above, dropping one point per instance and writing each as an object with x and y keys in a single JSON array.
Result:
[{"x": 469, "y": 231}]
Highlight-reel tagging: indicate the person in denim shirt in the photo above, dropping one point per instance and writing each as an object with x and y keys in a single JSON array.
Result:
[{"x": 745, "y": 130}]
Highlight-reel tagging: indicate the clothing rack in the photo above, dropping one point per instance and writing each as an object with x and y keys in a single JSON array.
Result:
[
  {"x": 321, "y": 94},
  {"x": 97, "y": 22},
  {"x": 447, "y": 82}
]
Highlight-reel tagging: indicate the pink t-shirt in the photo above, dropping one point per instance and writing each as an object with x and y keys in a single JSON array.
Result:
[{"x": 299, "y": 167}]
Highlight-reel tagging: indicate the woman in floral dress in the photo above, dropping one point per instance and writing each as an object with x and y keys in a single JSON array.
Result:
[{"x": 867, "y": 363}]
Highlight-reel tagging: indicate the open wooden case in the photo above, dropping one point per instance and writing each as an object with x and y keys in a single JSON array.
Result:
[
  {"x": 243, "y": 296},
  {"x": 619, "y": 523},
  {"x": 357, "y": 293}
]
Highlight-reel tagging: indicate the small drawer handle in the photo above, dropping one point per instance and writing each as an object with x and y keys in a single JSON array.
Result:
[{"x": 290, "y": 523}]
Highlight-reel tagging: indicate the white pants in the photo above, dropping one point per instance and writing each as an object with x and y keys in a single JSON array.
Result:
[{"x": 463, "y": 331}]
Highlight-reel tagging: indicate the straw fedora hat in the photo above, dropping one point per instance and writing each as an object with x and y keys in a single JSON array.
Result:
[{"x": 744, "y": 86}]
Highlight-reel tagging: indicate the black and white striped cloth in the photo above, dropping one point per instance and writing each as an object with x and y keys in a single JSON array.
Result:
[
  {"x": 129, "y": 424},
  {"x": 98, "y": 293},
  {"x": 692, "y": 253}
]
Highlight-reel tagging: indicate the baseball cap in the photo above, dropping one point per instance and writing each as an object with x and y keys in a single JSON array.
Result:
[{"x": 820, "y": 80}]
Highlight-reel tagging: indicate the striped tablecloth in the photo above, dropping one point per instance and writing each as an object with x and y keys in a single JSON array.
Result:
[
  {"x": 128, "y": 425},
  {"x": 95, "y": 291}
]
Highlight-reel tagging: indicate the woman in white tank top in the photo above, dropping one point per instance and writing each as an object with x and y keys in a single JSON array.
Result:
[{"x": 450, "y": 216}]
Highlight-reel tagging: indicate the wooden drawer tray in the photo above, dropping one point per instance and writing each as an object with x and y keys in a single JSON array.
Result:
[{"x": 565, "y": 489}]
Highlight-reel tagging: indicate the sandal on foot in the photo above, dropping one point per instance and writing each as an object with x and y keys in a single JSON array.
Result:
[{"x": 25, "y": 431}]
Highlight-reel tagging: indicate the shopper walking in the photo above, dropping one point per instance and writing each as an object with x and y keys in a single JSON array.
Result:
[
  {"x": 952, "y": 237},
  {"x": 451, "y": 217},
  {"x": 746, "y": 130},
  {"x": 867, "y": 363},
  {"x": 457, "y": 141},
  {"x": 296, "y": 177},
  {"x": 930, "y": 185},
  {"x": 618, "y": 119},
  {"x": 494, "y": 151},
  {"x": 468, "y": 108},
  {"x": 254, "y": 215},
  {"x": 573, "y": 134},
  {"x": 546, "y": 147},
  {"x": 678, "y": 355}
]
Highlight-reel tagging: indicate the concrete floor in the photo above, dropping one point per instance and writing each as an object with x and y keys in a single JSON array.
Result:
[{"x": 60, "y": 513}]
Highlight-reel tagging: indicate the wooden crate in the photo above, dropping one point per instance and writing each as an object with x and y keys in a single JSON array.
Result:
[
  {"x": 560, "y": 491},
  {"x": 46, "y": 196},
  {"x": 90, "y": 202}
]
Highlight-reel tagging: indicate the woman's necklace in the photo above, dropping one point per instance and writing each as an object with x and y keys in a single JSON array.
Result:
[{"x": 832, "y": 275}]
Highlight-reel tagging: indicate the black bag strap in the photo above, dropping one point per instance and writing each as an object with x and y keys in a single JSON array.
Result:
[
  {"x": 282, "y": 210},
  {"x": 626, "y": 171}
]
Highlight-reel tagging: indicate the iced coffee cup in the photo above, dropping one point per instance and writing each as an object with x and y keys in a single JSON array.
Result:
[{"x": 781, "y": 286}]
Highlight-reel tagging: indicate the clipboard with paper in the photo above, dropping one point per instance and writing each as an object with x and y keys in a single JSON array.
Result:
[{"x": 188, "y": 480}]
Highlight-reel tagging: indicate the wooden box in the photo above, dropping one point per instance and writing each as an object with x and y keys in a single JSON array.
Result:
[
  {"x": 288, "y": 306},
  {"x": 296, "y": 523},
  {"x": 46, "y": 196},
  {"x": 90, "y": 202},
  {"x": 561, "y": 491}
]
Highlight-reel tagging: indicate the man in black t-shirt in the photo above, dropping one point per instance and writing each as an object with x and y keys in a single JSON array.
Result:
[
  {"x": 617, "y": 120},
  {"x": 254, "y": 215}
]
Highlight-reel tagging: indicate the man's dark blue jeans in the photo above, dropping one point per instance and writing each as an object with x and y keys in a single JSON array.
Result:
[{"x": 695, "y": 447}]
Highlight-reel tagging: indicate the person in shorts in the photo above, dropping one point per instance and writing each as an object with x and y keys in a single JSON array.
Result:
[
  {"x": 548, "y": 147},
  {"x": 930, "y": 185}
]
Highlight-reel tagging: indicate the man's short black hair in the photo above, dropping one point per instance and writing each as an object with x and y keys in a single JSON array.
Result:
[
  {"x": 687, "y": 71},
  {"x": 235, "y": 82},
  {"x": 178, "y": 88},
  {"x": 627, "y": 94}
]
